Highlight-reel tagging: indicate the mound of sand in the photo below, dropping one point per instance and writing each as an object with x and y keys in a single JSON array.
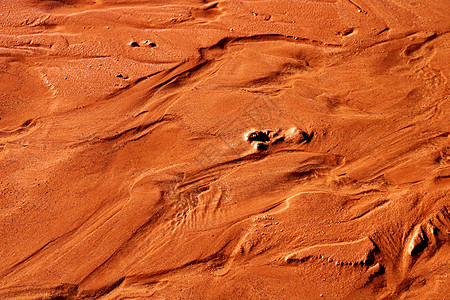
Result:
[{"x": 185, "y": 149}]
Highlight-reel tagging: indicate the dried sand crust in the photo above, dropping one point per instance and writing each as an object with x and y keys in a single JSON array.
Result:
[{"x": 186, "y": 149}]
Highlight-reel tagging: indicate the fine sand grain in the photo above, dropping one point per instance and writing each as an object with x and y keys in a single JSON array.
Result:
[{"x": 254, "y": 149}]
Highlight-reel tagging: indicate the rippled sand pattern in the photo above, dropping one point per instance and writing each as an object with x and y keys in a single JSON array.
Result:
[{"x": 182, "y": 149}]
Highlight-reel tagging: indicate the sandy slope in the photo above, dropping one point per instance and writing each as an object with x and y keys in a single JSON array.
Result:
[{"x": 224, "y": 149}]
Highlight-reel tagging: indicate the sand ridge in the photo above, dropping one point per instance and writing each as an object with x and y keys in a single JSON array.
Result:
[{"x": 190, "y": 149}]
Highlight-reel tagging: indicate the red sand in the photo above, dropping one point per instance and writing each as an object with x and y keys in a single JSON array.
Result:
[{"x": 224, "y": 149}]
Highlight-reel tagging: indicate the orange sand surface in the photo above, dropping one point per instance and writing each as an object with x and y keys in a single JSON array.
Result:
[{"x": 229, "y": 149}]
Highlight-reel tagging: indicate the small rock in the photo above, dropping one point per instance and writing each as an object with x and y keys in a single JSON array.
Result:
[
  {"x": 150, "y": 43},
  {"x": 259, "y": 136},
  {"x": 261, "y": 146}
]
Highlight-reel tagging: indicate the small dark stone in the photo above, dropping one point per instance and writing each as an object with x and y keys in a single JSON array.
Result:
[
  {"x": 307, "y": 137},
  {"x": 261, "y": 146},
  {"x": 151, "y": 44},
  {"x": 134, "y": 44},
  {"x": 259, "y": 136},
  {"x": 119, "y": 75}
]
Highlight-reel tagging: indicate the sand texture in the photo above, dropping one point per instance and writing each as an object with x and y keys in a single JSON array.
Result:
[{"x": 229, "y": 149}]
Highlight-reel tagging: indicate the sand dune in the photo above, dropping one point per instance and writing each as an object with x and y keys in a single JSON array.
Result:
[{"x": 224, "y": 149}]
